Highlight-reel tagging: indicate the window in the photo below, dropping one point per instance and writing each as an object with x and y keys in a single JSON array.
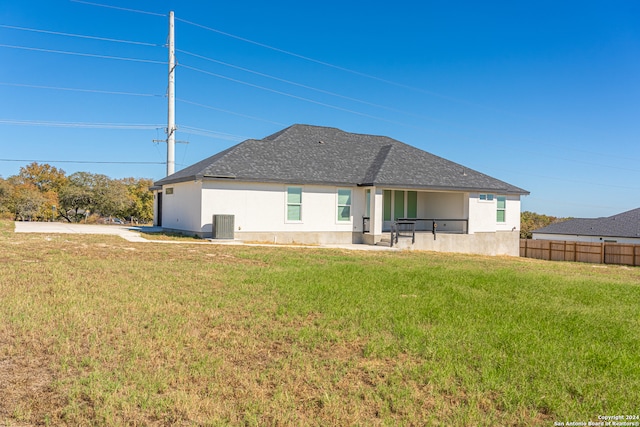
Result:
[
  {"x": 168, "y": 191},
  {"x": 502, "y": 208},
  {"x": 486, "y": 197},
  {"x": 344, "y": 205},
  {"x": 294, "y": 203}
]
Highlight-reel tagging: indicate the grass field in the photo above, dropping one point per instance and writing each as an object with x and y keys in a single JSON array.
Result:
[{"x": 95, "y": 330}]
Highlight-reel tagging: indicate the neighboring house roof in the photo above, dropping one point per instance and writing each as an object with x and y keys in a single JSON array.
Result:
[
  {"x": 625, "y": 224},
  {"x": 305, "y": 154}
]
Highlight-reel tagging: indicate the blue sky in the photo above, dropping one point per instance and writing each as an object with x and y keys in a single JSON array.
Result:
[{"x": 543, "y": 95}]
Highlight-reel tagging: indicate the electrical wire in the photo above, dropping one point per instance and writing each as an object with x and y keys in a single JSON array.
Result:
[
  {"x": 554, "y": 178},
  {"x": 324, "y": 63},
  {"x": 57, "y": 33},
  {"x": 384, "y": 107},
  {"x": 197, "y": 104},
  {"x": 326, "y": 92},
  {"x": 210, "y": 133},
  {"x": 335, "y": 107},
  {"x": 243, "y": 69},
  {"x": 91, "y": 55},
  {"x": 117, "y": 8},
  {"x": 82, "y": 162},
  {"x": 84, "y": 125},
  {"x": 313, "y": 60},
  {"x": 109, "y": 92}
]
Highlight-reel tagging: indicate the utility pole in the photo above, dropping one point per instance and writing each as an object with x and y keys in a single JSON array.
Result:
[{"x": 171, "y": 119}]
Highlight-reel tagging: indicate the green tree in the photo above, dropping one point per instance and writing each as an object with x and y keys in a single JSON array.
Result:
[
  {"x": 45, "y": 177},
  {"x": 5, "y": 192},
  {"x": 25, "y": 201},
  {"x": 95, "y": 193},
  {"x": 76, "y": 196},
  {"x": 530, "y": 221},
  {"x": 111, "y": 197},
  {"x": 141, "y": 199}
]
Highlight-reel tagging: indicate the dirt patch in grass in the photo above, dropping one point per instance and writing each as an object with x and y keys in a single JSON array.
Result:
[{"x": 27, "y": 387}]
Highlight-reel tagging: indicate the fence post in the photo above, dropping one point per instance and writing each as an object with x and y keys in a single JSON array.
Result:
[
  {"x": 549, "y": 250},
  {"x": 602, "y": 255}
]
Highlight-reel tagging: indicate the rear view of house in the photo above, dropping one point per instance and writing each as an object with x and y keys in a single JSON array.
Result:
[{"x": 310, "y": 184}]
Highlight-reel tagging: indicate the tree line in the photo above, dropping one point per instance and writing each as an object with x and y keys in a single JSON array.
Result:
[
  {"x": 530, "y": 221},
  {"x": 41, "y": 192}
]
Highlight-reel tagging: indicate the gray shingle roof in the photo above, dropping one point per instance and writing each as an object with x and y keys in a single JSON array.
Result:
[
  {"x": 625, "y": 224},
  {"x": 304, "y": 154}
]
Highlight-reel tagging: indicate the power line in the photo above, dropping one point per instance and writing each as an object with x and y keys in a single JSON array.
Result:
[
  {"x": 109, "y": 92},
  {"x": 370, "y": 103},
  {"x": 296, "y": 55},
  {"x": 98, "y": 162},
  {"x": 57, "y": 33},
  {"x": 80, "y": 124},
  {"x": 324, "y": 63},
  {"x": 520, "y": 172},
  {"x": 91, "y": 55},
  {"x": 313, "y": 60},
  {"x": 124, "y": 126},
  {"x": 118, "y": 8},
  {"x": 326, "y": 92},
  {"x": 210, "y": 133},
  {"x": 230, "y": 79},
  {"x": 335, "y": 107},
  {"x": 197, "y": 104}
]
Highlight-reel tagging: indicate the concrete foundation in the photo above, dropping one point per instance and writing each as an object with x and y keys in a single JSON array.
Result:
[
  {"x": 309, "y": 238},
  {"x": 498, "y": 243}
]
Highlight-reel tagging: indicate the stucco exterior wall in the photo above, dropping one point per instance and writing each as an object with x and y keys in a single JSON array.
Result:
[
  {"x": 441, "y": 205},
  {"x": 262, "y": 208},
  {"x": 482, "y": 214},
  {"x": 181, "y": 210}
]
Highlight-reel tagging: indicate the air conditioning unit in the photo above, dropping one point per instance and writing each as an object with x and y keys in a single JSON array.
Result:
[{"x": 223, "y": 226}]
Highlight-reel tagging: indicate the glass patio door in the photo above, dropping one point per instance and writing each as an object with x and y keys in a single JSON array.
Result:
[{"x": 398, "y": 204}]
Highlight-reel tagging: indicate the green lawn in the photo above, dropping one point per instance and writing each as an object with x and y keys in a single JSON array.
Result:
[{"x": 95, "y": 330}]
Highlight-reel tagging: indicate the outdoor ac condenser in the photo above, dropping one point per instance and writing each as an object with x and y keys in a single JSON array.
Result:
[{"x": 223, "y": 226}]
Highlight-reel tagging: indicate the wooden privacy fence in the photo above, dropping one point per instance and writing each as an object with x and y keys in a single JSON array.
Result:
[{"x": 598, "y": 253}]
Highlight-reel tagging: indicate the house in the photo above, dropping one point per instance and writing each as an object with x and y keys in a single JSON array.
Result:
[
  {"x": 620, "y": 228},
  {"x": 319, "y": 185}
]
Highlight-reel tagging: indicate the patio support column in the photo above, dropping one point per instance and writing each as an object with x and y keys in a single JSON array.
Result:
[{"x": 376, "y": 212}]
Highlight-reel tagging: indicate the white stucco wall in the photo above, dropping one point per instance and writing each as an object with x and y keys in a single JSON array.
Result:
[
  {"x": 586, "y": 239},
  {"x": 262, "y": 207},
  {"x": 181, "y": 210},
  {"x": 441, "y": 205},
  {"x": 483, "y": 214}
]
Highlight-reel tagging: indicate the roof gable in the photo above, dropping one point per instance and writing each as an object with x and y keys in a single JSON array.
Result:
[{"x": 307, "y": 154}]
